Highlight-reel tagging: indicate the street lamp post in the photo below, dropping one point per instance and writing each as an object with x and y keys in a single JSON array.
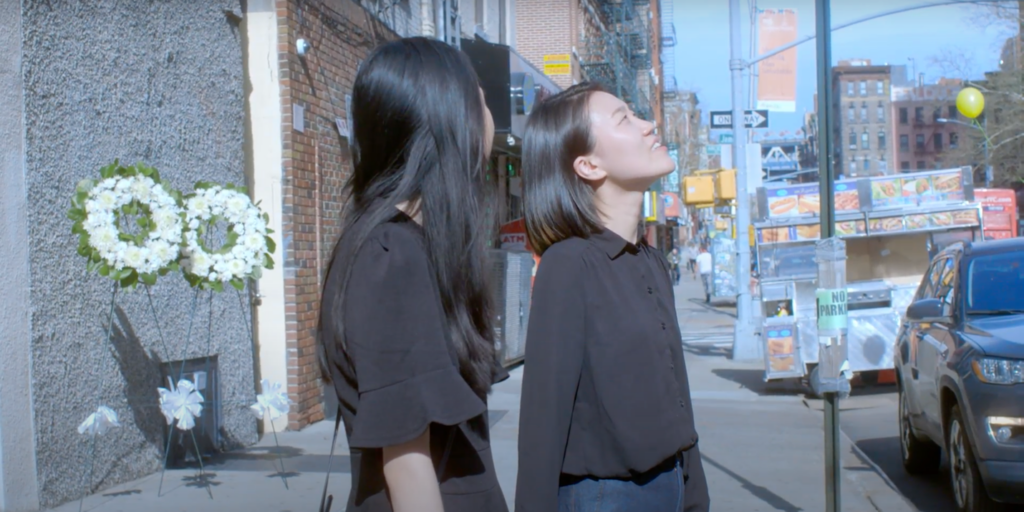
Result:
[{"x": 984, "y": 143}]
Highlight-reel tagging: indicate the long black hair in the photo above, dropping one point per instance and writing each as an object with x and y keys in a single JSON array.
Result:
[{"x": 418, "y": 137}]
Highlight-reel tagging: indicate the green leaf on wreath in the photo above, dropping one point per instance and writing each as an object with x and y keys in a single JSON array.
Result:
[
  {"x": 130, "y": 280},
  {"x": 271, "y": 245},
  {"x": 108, "y": 171},
  {"x": 104, "y": 270},
  {"x": 149, "y": 279},
  {"x": 217, "y": 286},
  {"x": 256, "y": 273},
  {"x": 84, "y": 252},
  {"x": 125, "y": 237},
  {"x": 268, "y": 262},
  {"x": 238, "y": 284},
  {"x": 143, "y": 222},
  {"x": 76, "y": 214}
]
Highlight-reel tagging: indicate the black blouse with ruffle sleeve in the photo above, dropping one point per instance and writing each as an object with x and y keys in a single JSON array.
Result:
[{"x": 399, "y": 375}]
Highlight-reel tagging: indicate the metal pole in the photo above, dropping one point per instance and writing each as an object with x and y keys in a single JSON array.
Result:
[
  {"x": 826, "y": 169},
  {"x": 988, "y": 166},
  {"x": 744, "y": 346}
]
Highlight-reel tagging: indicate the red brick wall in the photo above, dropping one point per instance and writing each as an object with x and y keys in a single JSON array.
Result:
[{"x": 316, "y": 163}]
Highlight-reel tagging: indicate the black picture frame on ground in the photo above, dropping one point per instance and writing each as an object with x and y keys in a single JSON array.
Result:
[{"x": 202, "y": 371}]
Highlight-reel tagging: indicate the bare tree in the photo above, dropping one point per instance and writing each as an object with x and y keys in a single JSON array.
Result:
[{"x": 1001, "y": 126}]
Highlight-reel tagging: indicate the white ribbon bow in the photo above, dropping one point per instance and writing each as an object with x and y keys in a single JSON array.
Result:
[
  {"x": 272, "y": 401},
  {"x": 182, "y": 403},
  {"x": 99, "y": 422}
]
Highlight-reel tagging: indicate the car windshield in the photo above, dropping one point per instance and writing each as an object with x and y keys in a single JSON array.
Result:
[{"x": 995, "y": 284}]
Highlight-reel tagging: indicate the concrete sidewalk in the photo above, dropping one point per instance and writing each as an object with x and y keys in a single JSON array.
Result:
[{"x": 763, "y": 449}]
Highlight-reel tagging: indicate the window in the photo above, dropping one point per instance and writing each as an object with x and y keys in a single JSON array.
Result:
[
  {"x": 936, "y": 115},
  {"x": 864, "y": 113},
  {"x": 853, "y": 164},
  {"x": 882, "y": 166},
  {"x": 937, "y": 141},
  {"x": 903, "y": 115},
  {"x": 953, "y": 140},
  {"x": 853, "y": 140},
  {"x": 502, "y": 21},
  {"x": 920, "y": 142},
  {"x": 849, "y": 113},
  {"x": 866, "y": 164},
  {"x": 904, "y": 166},
  {"x": 880, "y": 87},
  {"x": 920, "y": 164},
  {"x": 952, "y": 112},
  {"x": 918, "y": 114},
  {"x": 995, "y": 282},
  {"x": 881, "y": 142},
  {"x": 849, "y": 88},
  {"x": 864, "y": 141},
  {"x": 904, "y": 142},
  {"x": 863, "y": 88},
  {"x": 881, "y": 113},
  {"x": 945, "y": 289}
]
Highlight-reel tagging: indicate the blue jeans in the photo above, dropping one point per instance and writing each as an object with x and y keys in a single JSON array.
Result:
[{"x": 656, "y": 491}]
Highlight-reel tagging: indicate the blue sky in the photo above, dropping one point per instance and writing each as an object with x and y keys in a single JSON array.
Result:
[{"x": 925, "y": 35}]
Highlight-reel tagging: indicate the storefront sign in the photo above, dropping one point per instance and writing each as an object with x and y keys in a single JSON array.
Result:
[{"x": 831, "y": 309}]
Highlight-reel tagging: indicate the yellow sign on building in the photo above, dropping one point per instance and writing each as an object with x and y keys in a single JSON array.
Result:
[{"x": 558, "y": 64}]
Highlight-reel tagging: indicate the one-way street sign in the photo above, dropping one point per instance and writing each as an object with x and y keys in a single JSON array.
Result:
[{"x": 751, "y": 119}]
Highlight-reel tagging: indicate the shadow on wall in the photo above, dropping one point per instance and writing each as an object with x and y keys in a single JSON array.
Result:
[{"x": 141, "y": 372}]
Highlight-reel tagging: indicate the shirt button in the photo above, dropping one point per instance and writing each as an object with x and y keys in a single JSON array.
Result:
[
  {"x": 663, "y": 326},
  {"x": 650, "y": 290},
  {"x": 682, "y": 404}
]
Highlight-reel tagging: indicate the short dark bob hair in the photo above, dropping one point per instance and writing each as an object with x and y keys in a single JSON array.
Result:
[{"x": 558, "y": 204}]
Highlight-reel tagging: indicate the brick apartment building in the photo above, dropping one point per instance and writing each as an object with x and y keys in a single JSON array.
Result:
[
  {"x": 862, "y": 110},
  {"x": 925, "y": 125},
  {"x": 588, "y": 35}
]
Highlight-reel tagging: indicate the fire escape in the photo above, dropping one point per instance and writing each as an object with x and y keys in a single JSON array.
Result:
[{"x": 616, "y": 53}]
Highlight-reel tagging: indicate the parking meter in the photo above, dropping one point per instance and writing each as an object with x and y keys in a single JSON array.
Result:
[{"x": 831, "y": 295}]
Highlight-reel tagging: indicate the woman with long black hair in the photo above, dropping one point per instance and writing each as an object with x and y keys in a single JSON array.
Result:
[
  {"x": 405, "y": 329},
  {"x": 606, "y": 422}
]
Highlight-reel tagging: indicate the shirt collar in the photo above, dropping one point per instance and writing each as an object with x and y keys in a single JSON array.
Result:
[{"x": 614, "y": 245}]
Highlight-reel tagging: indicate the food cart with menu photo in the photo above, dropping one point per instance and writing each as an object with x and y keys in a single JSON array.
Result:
[{"x": 892, "y": 226}]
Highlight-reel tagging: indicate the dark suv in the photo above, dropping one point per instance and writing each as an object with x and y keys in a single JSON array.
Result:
[{"x": 960, "y": 369}]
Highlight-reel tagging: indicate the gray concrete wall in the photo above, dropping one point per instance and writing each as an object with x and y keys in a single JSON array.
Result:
[
  {"x": 160, "y": 82},
  {"x": 18, "y": 489}
]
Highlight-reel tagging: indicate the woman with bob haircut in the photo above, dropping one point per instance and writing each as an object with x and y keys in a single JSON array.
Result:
[
  {"x": 405, "y": 327},
  {"x": 606, "y": 419}
]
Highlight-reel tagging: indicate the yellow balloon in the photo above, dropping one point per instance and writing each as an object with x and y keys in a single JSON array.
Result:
[{"x": 970, "y": 102}]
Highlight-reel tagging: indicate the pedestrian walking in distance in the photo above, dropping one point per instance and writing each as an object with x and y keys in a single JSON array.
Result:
[
  {"x": 405, "y": 327},
  {"x": 673, "y": 261},
  {"x": 691, "y": 258},
  {"x": 705, "y": 266},
  {"x": 606, "y": 421}
]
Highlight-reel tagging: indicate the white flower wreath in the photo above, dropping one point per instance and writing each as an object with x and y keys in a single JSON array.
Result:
[
  {"x": 247, "y": 248},
  {"x": 98, "y": 210}
]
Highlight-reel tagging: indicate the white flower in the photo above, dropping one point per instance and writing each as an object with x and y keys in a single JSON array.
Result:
[
  {"x": 107, "y": 200},
  {"x": 103, "y": 238},
  {"x": 272, "y": 401},
  {"x": 254, "y": 242},
  {"x": 141, "y": 190},
  {"x": 182, "y": 403},
  {"x": 237, "y": 268},
  {"x": 133, "y": 257},
  {"x": 213, "y": 276},
  {"x": 99, "y": 422}
]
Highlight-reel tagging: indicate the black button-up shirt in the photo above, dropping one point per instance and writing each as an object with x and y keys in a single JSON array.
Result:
[{"x": 605, "y": 391}]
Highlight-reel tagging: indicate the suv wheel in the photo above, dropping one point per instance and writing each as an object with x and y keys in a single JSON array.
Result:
[
  {"x": 968, "y": 489},
  {"x": 920, "y": 456}
]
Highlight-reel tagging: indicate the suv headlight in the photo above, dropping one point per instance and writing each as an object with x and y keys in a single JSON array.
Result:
[{"x": 992, "y": 370}]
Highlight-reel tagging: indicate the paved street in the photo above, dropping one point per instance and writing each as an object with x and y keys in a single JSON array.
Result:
[
  {"x": 762, "y": 446},
  {"x": 871, "y": 421}
]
